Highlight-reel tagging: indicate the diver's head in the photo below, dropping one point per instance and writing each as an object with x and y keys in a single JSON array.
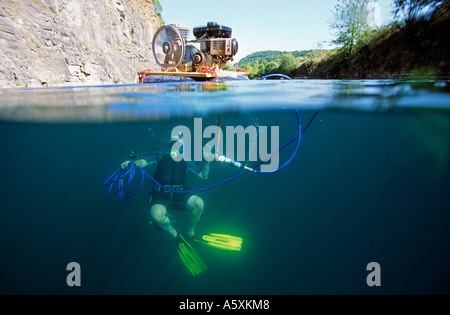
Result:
[
  {"x": 132, "y": 155},
  {"x": 173, "y": 140}
]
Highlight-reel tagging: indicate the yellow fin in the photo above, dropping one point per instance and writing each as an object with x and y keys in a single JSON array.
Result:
[
  {"x": 190, "y": 258},
  {"x": 222, "y": 241}
]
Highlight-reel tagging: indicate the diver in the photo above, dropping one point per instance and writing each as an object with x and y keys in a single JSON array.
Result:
[{"x": 171, "y": 176}]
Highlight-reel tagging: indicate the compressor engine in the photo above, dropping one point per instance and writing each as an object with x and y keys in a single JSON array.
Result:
[
  {"x": 216, "y": 46},
  {"x": 172, "y": 49}
]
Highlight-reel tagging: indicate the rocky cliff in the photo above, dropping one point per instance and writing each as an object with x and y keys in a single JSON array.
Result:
[{"x": 75, "y": 42}]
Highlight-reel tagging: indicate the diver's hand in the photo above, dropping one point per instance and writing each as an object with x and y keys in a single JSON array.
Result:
[
  {"x": 125, "y": 164},
  {"x": 209, "y": 157}
]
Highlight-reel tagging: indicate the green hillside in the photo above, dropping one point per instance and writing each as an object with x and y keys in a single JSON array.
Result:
[
  {"x": 272, "y": 55},
  {"x": 271, "y": 61}
]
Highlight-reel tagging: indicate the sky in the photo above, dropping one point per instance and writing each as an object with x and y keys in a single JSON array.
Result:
[{"x": 285, "y": 25}]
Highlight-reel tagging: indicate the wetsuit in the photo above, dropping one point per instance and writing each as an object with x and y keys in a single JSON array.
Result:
[{"x": 171, "y": 175}]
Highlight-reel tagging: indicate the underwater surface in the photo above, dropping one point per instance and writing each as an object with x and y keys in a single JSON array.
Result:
[{"x": 369, "y": 183}]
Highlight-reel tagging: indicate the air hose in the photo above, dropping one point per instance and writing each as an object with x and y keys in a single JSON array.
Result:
[
  {"x": 122, "y": 179},
  {"x": 119, "y": 182}
]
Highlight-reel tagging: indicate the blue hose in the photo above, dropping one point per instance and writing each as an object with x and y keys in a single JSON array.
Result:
[
  {"x": 277, "y": 75},
  {"x": 122, "y": 178},
  {"x": 298, "y": 137}
]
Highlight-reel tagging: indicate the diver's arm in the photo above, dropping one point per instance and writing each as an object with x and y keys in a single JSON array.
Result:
[
  {"x": 141, "y": 163},
  {"x": 205, "y": 171},
  {"x": 144, "y": 163},
  {"x": 203, "y": 174}
]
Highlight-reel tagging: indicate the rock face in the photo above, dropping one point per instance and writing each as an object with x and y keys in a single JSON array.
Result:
[{"x": 75, "y": 42}]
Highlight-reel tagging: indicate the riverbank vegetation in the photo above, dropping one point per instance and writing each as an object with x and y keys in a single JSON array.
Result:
[
  {"x": 268, "y": 62},
  {"x": 416, "y": 45}
]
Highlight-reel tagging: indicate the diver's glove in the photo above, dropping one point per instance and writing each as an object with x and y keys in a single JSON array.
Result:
[{"x": 125, "y": 164}]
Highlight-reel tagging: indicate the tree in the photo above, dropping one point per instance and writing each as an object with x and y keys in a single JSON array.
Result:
[
  {"x": 288, "y": 64},
  {"x": 271, "y": 67},
  {"x": 411, "y": 9},
  {"x": 350, "y": 22},
  {"x": 262, "y": 68},
  {"x": 157, "y": 7}
]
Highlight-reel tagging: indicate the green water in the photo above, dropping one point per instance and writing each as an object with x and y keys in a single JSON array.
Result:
[{"x": 368, "y": 184}]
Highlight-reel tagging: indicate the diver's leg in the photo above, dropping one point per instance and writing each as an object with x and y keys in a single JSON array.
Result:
[
  {"x": 195, "y": 206},
  {"x": 159, "y": 216}
]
